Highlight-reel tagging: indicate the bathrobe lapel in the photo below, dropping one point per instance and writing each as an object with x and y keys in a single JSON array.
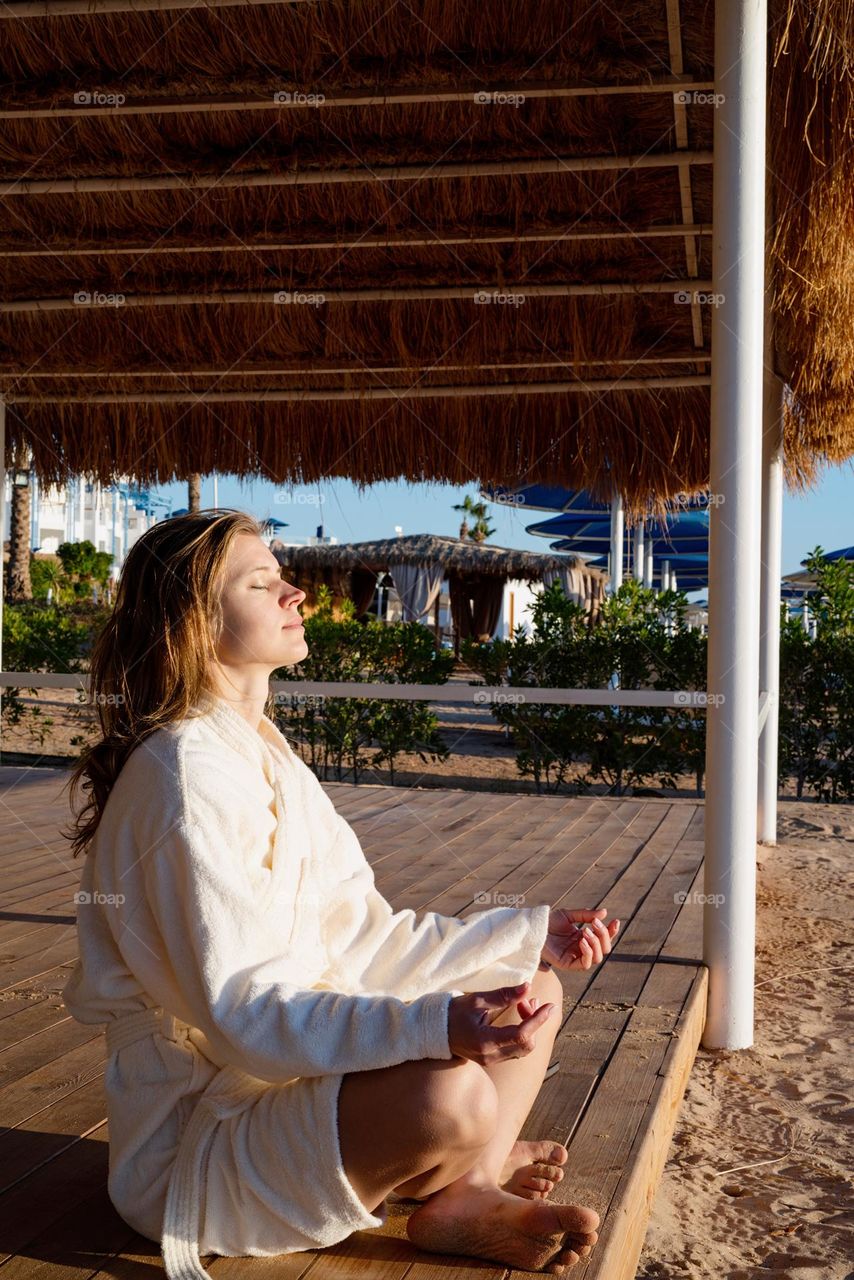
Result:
[{"x": 290, "y": 855}]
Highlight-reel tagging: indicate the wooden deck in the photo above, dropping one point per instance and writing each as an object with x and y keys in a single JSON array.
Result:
[{"x": 626, "y": 1047}]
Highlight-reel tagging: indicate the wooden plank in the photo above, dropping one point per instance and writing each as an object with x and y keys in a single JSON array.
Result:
[
  {"x": 481, "y": 854},
  {"x": 31, "y": 1206},
  {"x": 30, "y": 1019},
  {"x": 54, "y": 906},
  {"x": 54, "y": 880},
  {"x": 604, "y": 1002},
  {"x": 449, "y": 823},
  {"x": 438, "y": 848},
  {"x": 32, "y": 990},
  {"x": 600, "y": 1146},
  {"x": 30, "y": 1144},
  {"x": 92, "y": 1231},
  {"x": 15, "y": 971},
  {"x": 36, "y": 1051},
  {"x": 24, "y": 1099},
  {"x": 624, "y": 1227},
  {"x": 607, "y": 845}
]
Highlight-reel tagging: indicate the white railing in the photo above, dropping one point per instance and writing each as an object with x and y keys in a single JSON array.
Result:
[{"x": 444, "y": 693}]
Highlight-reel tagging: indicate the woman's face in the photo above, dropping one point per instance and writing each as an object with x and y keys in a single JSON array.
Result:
[{"x": 259, "y": 610}]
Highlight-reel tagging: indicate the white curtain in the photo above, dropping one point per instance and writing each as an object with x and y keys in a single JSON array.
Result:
[
  {"x": 418, "y": 586},
  {"x": 573, "y": 581}
]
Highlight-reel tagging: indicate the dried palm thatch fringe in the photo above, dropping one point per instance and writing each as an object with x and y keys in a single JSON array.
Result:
[
  {"x": 651, "y": 443},
  {"x": 460, "y": 555},
  {"x": 812, "y": 156}
]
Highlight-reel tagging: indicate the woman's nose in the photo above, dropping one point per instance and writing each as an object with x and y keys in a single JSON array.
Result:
[{"x": 293, "y": 595}]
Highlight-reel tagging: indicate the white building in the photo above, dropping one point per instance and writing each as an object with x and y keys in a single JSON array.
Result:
[
  {"x": 519, "y": 595},
  {"x": 111, "y": 517}
]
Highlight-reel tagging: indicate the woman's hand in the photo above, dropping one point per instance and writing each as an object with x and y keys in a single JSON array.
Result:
[
  {"x": 472, "y": 1035},
  {"x": 569, "y": 946}
]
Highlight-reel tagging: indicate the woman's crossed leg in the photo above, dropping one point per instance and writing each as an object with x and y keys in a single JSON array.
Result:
[{"x": 446, "y": 1131}]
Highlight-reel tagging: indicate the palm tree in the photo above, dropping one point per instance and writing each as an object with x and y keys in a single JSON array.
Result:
[
  {"x": 18, "y": 584},
  {"x": 482, "y": 529},
  {"x": 194, "y": 492}
]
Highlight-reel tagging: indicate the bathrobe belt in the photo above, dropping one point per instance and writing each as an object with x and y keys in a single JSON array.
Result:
[{"x": 228, "y": 1093}]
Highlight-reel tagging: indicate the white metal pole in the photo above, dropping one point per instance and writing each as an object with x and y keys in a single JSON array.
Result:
[
  {"x": 617, "y": 540},
  {"x": 738, "y": 274},
  {"x": 216, "y": 491},
  {"x": 649, "y": 563},
  {"x": 638, "y": 554},
  {"x": 665, "y": 575},
  {"x": 35, "y": 529},
  {"x": 805, "y": 615},
  {"x": 769, "y": 635}
]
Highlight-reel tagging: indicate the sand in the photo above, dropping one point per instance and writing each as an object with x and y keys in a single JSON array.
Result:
[{"x": 788, "y": 1102}]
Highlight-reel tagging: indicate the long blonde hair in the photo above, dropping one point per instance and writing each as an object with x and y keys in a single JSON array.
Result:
[{"x": 150, "y": 663}]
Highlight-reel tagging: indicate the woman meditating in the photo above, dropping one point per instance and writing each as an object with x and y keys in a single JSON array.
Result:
[{"x": 284, "y": 1051}]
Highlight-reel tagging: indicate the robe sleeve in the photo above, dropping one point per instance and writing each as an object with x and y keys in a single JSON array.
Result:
[
  {"x": 373, "y": 948},
  {"x": 224, "y": 951}
]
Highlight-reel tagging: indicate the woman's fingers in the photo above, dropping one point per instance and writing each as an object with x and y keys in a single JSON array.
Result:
[
  {"x": 604, "y": 935},
  {"x": 521, "y": 1034},
  {"x": 594, "y": 946},
  {"x": 585, "y": 915}
]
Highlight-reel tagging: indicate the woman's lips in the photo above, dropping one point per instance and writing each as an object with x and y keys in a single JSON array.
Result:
[{"x": 287, "y": 626}]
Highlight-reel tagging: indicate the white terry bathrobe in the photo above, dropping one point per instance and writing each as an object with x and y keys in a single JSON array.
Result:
[{"x": 233, "y": 941}]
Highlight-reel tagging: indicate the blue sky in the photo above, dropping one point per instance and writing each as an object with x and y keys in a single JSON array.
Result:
[{"x": 824, "y": 515}]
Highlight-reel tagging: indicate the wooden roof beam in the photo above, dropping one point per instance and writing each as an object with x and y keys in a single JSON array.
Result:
[
  {"x": 383, "y": 241},
  {"x": 94, "y": 8},
  {"x": 377, "y": 173},
  {"x": 477, "y": 294},
  {"x": 233, "y": 371},
  {"x": 416, "y": 392},
  {"x": 136, "y": 103},
  {"x": 680, "y": 113}
]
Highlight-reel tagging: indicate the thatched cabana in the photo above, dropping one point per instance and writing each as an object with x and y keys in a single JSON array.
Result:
[
  {"x": 483, "y": 227},
  {"x": 475, "y": 572}
]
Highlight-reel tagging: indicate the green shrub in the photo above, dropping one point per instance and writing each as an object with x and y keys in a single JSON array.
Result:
[
  {"x": 348, "y": 735},
  {"x": 817, "y": 688}
]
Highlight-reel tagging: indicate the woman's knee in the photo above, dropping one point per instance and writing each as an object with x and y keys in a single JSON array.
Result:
[
  {"x": 434, "y": 1103},
  {"x": 547, "y": 987},
  {"x": 461, "y": 1102},
  {"x": 397, "y": 1122}
]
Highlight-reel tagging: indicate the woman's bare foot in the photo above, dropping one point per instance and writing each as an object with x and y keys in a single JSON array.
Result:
[
  {"x": 488, "y": 1222},
  {"x": 532, "y": 1168}
]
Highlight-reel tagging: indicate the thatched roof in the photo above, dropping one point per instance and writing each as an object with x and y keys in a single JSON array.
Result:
[
  {"x": 186, "y": 196},
  {"x": 456, "y": 555}
]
